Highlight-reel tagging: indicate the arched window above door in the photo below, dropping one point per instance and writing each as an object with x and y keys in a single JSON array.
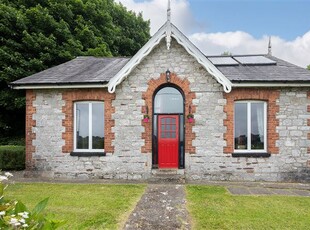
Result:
[{"x": 168, "y": 100}]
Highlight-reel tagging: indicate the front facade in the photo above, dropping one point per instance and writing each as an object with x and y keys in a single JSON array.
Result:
[{"x": 173, "y": 109}]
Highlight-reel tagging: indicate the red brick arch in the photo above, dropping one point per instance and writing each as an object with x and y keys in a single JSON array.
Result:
[{"x": 147, "y": 96}]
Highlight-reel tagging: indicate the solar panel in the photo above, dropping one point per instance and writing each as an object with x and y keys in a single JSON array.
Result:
[
  {"x": 223, "y": 61},
  {"x": 252, "y": 60}
]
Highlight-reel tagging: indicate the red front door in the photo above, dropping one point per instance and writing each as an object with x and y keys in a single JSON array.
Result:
[{"x": 168, "y": 141}]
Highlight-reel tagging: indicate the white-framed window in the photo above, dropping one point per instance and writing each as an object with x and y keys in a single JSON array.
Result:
[
  {"x": 250, "y": 126},
  {"x": 89, "y": 126}
]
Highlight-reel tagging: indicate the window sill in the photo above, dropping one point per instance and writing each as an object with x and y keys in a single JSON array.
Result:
[
  {"x": 87, "y": 154},
  {"x": 251, "y": 155}
]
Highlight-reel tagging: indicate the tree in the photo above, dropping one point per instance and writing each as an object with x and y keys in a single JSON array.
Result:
[
  {"x": 308, "y": 67},
  {"x": 226, "y": 53},
  {"x": 38, "y": 34}
]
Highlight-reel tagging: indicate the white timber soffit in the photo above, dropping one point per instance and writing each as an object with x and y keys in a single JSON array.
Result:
[
  {"x": 137, "y": 58},
  {"x": 201, "y": 58},
  {"x": 168, "y": 27}
]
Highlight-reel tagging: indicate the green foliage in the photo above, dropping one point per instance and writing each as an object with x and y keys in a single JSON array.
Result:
[
  {"x": 190, "y": 115},
  {"x": 15, "y": 215},
  {"x": 38, "y": 34},
  {"x": 83, "y": 206},
  {"x": 226, "y": 53},
  {"x": 213, "y": 207},
  {"x": 12, "y": 157},
  {"x": 12, "y": 141},
  {"x": 308, "y": 67}
]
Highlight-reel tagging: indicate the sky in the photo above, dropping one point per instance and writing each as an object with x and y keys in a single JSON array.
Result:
[{"x": 236, "y": 26}]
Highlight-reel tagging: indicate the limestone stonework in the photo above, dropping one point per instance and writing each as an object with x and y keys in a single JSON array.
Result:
[
  {"x": 49, "y": 129},
  {"x": 293, "y": 132}
]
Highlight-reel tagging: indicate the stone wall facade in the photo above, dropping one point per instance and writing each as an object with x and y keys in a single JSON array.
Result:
[
  {"x": 209, "y": 141},
  {"x": 288, "y": 141}
]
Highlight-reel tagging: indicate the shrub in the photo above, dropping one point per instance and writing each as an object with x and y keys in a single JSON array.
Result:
[
  {"x": 12, "y": 141},
  {"x": 15, "y": 215},
  {"x": 12, "y": 157}
]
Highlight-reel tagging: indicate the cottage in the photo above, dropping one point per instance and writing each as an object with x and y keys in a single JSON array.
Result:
[{"x": 239, "y": 117}]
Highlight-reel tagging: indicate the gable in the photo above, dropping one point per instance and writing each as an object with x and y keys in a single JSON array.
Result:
[{"x": 166, "y": 30}]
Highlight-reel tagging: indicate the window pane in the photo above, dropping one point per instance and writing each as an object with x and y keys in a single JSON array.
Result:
[
  {"x": 257, "y": 125},
  {"x": 240, "y": 126},
  {"x": 168, "y": 100},
  {"x": 82, "y": 125},
  {"x": 98, "y": 125}
]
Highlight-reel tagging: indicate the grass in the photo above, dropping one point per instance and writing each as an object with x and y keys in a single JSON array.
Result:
[
  {"x": 83, "y": 206},
  {"x": 214, "y": 208},
  {"x": 102, "y": 206}
]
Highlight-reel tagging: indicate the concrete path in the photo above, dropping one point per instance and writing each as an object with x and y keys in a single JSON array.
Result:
[
  {"x": 163, "y": 206},
  {"x": 243, "y": 190}
]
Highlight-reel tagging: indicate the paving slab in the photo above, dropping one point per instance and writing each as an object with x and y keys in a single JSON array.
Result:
[
  {"x": 298, "y": 192},
  {"x": 244, "y": 190},
  {"x": 163, "y": 206},
  {"x": 284, "y": 192},
  {"x": 260, "y": 191},
  {"x": 239, "y": 190}
]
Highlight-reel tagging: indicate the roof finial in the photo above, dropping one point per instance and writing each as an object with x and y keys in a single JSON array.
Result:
[
  {"x": 168, "y": 12},
  {"x": 168, "y": 28},
  {"x": 269, "y": 47}
]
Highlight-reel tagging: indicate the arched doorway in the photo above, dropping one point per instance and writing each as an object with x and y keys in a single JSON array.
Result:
[{"x": 168, "y": 127}]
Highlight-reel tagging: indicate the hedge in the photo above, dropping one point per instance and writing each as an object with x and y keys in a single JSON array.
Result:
[{"x": 12, "y": 157}]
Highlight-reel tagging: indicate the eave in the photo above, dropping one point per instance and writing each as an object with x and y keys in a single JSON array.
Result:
[
  {"x": 270, "y": 84},
  {"x": 61, "y": 86}
]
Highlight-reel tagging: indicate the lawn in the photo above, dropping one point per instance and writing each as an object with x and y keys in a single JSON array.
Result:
[
  {"x": 214, "y": 208},
  {"x": 83, "y": 206},
  {"x": 106, "y": 206}
]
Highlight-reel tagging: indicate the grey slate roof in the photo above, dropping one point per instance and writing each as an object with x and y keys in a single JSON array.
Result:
[
  {"x": 92, "y": 70},
  {"x": 281, "y": 71},
  {"x": 79, "y": 70}
]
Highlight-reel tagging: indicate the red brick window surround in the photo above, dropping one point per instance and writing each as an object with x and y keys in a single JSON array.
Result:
[
  {"x": 268, "y": 95},
  {"x": 153, "y": 85},
  {"x": 30, "y": 123},
  {"x": 75, "y": 95}
]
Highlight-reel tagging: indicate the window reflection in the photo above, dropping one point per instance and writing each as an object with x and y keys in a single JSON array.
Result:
[
  {"x": 257, "y": 126},
  {"x": 82, "y": 125},
  {"x": 168, "y": 128},
  {"x": 98, "y": 125},
  {"x": 249, "y": 126},
  {"x": 89, "y": 125},
  {"x": 168, "y": 100}
]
